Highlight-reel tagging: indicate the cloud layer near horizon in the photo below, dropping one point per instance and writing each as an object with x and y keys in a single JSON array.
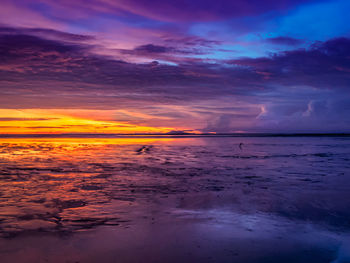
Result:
[{"x": 177, "y": 79}]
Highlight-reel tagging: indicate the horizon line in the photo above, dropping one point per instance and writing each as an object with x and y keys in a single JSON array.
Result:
[{"x": 174, "y": 135}]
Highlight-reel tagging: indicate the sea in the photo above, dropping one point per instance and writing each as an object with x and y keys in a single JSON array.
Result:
[{"x": 175, "y": 199}]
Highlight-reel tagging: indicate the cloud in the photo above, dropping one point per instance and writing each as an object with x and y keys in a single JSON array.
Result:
[
  {"x": 193, "y": 10},
  {"x": 25, "y": 119},
  {"x": 285, "y": 41},
  {"x": 31, "y": 58},
  {"x": 56, "y": 73},
  {"x": 45, "y": 33},
  {"x": 150, "y": 48},
  {"x": 173, "y": 50},
  {"x": 323, "y": 65},
  {"x": 28, "y": 57}
]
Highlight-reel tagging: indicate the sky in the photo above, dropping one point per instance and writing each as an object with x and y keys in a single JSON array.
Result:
[{"x": 137, "y": 66}]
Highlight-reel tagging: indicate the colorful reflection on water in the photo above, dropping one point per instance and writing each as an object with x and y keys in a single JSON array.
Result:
[{"x": 269, "y": 187}]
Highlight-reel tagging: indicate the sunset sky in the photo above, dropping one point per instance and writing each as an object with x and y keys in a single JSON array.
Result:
[{"x": 137, "y": 66}]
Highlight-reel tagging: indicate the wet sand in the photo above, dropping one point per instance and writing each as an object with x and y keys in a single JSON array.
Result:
[{"x": 176, "y": 200}]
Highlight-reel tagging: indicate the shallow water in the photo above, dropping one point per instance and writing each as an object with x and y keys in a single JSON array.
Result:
[{"x": 275, "y": 199}]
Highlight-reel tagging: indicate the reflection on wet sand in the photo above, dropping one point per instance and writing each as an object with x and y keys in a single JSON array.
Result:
[{"x": 175, "y": 199}]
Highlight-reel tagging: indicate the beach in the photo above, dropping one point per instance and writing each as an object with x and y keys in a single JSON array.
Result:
[{"x": 175, "y": 199}]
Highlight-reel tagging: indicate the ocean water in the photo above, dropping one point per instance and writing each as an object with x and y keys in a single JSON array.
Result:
[{"x": 216, "y": 199}]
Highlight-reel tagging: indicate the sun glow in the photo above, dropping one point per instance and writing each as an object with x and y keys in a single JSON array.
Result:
[{"x": 36, "y": 121}]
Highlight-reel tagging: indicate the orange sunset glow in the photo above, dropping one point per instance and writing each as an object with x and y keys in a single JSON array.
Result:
[{"x": 34, "y": 121}]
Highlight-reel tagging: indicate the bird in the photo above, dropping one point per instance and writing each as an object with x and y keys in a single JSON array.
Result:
[
  {"x": 240, "y": 146},
  {"x": 144, "y": 149}
]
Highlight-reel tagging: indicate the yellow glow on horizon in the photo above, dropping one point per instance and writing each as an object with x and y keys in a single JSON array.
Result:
[
  {"x": 93, "y": 141},
  {"x": 36, "y": 121}
]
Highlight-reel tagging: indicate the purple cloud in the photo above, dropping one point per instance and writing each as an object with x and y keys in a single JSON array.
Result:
[
  {"x": 150, "y": 48},
  {"x": 285, "y": 41},
  {"x": 189, "y": 10},
  {"x": 323, "y": 65},
  {"x": 253, "y": 93},
  {"x": 46, "y": 33}
]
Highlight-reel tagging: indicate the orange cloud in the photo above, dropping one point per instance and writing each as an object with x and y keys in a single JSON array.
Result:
[{"x": 60, "y": 121}]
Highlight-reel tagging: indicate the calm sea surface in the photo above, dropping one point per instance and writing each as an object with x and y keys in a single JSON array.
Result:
[{"x": 217, "y": 199}]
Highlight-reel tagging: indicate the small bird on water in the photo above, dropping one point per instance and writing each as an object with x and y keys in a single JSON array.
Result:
[
  {"x": 240, "y": 146},
  {"x": 144, "y": 149}
]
